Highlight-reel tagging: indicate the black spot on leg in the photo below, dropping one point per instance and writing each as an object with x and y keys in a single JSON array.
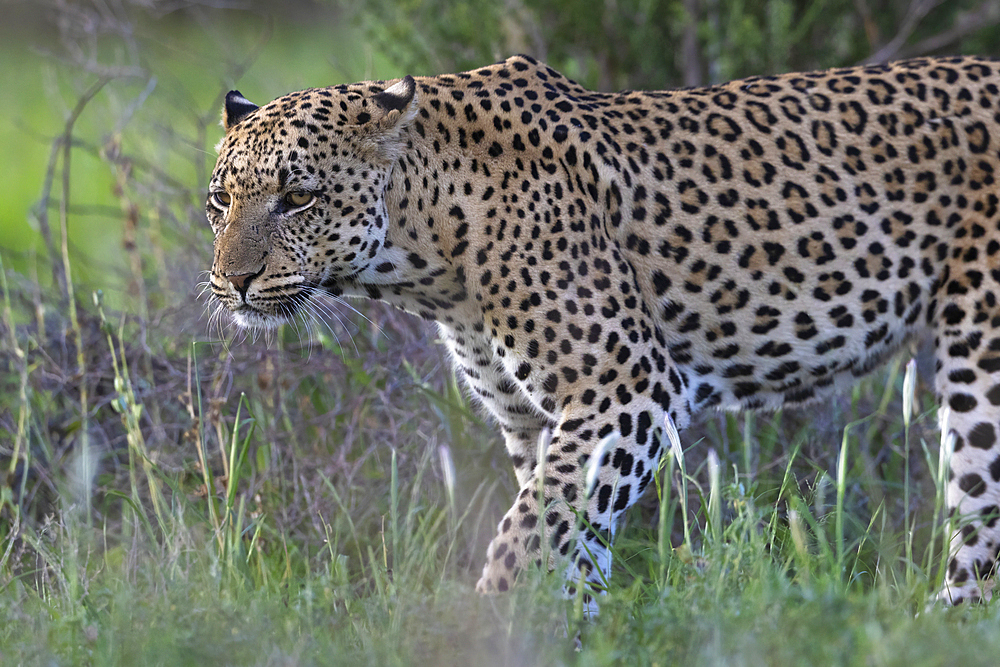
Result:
[
  {"x": 993, "y": 395},
  {"x": 962, "y": 402},
  {"x": 603, "y": 498},
  {"x": 990, "y": 514},
  {"x": 569, "y": 493},
  {"x": 972, "y": 484},
  {"x": 624, "y": 497},
  {"x": 983, "y": 569},
  {"x": 982, "y": 436},
  {"x": 625, "y": 424}
]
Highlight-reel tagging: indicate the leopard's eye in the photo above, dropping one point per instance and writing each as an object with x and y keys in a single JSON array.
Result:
[
  {"x": 298, "y": 198},
  {"x": 221, "y": 199}
]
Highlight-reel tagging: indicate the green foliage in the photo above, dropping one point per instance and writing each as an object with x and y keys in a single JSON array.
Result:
[{"x": 641, "y": 43}]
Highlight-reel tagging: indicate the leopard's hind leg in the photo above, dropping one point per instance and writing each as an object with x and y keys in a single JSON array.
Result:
[{"x": 968, "y": 382}]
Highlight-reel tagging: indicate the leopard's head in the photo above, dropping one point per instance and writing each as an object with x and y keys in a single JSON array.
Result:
[{"x": 297, "y": 197}]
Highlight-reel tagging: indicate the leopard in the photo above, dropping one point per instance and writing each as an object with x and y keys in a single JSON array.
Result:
[{"x": 604, "y": 266}]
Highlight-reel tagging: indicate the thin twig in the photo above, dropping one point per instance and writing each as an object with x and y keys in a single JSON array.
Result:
[
  {"x": 966, "y": 23},
  {"x": 871, "y": 28},
  {"x": 690, "y": 52},
  {"x": 914, "y": 15},
  {"x": 81, "y": 358},
  {"x": 64, "y": 141}
]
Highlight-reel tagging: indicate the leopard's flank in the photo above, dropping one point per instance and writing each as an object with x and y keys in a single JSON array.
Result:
[{"x": 600, "y": 264}]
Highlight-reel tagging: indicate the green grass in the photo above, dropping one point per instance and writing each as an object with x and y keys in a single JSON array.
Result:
[
  {"x": 169, "y": 499},
  {"x": 245, "y": 547}
]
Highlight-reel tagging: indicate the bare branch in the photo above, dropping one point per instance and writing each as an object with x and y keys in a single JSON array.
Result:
[
  {"x": 871, "y": 28},
  {"x": 691, "y": 67},
  {"x": 64, "y": 142},
  {"x": 914, "y": 15},
  {"x": 966, "y": 23}
]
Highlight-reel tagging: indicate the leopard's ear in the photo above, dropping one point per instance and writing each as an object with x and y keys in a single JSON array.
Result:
[
  {"x": 400, "y": 96},
  {"x": 236, "y": 109},
  {"x": 392, "y": 112}
]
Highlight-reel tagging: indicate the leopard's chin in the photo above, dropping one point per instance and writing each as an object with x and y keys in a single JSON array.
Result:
[{"x": 247, "y": 317}]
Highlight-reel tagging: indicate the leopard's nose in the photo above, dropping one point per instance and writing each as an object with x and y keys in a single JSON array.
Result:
[{"x": 241, "y": 282}]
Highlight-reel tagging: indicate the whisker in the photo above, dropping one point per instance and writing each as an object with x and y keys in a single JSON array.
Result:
[
  {"x": 331, "y": 313},
  {"x": 326, "y": 303},
  {"x": 310, "y": 312},
  {"x": 313, "y": 311}
]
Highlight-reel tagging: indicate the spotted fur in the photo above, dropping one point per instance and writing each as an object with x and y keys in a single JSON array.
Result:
[{"x": 599, "y": 263}]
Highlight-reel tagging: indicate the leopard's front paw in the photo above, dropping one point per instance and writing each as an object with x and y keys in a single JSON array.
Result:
[{"x": 966, "y": 592}]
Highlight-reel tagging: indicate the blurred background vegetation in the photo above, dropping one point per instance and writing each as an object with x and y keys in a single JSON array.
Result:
[
  {"x": 107, "y": 368},
  {"x": 162, "y": 65}
]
